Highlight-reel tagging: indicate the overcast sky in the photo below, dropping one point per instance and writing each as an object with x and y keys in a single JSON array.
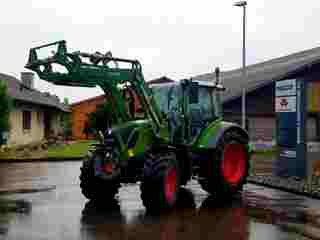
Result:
[{"x": 178, "y": 39}]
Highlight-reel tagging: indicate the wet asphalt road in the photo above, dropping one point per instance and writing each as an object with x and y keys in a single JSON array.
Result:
[{"x": 61, "y": 212}]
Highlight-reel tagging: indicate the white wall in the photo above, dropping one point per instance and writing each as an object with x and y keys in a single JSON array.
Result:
[{"x": 18, "y": 135}]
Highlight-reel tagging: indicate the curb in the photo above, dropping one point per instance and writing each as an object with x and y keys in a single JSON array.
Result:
[{"x": 21, "y": 160}]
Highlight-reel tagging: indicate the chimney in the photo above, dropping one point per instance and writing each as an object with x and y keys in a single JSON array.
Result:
[{"x": 27, "y": 79}]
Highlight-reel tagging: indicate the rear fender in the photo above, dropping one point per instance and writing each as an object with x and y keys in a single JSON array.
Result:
[{"x": 210, "y": 136}]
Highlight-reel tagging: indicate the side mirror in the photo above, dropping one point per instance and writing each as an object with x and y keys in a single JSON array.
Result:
[{"x": 194, "y": 93}]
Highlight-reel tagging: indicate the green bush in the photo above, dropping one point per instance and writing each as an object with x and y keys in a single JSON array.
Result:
[
  {"x": 100, "y": 120},
  {"x": 5, "y": 106},
  {"x": 66, "y": 121}
]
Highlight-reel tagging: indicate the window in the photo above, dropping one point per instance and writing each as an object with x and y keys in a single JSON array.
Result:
[{"x": 26, "y": 120}]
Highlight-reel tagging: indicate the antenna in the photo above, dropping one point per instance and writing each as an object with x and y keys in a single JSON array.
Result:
[{"x": 217, "y": 72}]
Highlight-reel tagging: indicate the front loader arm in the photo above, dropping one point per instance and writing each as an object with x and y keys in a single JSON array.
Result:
[{"x": 78, "y": 72}]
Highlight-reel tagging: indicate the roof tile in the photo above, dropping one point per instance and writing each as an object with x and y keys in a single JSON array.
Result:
[
  {"x": 19, "y": 91},
  {"x": 262, "y": 73}
]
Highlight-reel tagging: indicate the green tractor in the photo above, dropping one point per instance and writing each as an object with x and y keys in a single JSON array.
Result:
[{"x": 179, "y": 133}]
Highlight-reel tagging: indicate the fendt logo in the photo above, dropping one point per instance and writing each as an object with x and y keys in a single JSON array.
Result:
[{"x": 284, "y": 102}]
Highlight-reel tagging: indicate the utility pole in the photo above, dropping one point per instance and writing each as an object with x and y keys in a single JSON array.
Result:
[{"x": 243, "y": 4}]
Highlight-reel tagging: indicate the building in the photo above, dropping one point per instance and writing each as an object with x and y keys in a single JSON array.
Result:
[
  {"x": 160, "y": 80},
  {"x": 80, "y": 110},
  {"x": 260, "y": 87},
  {"x": 35, "y": 115}
]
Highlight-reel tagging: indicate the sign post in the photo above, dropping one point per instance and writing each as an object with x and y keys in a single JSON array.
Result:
[{"x": 289, "y": 108}]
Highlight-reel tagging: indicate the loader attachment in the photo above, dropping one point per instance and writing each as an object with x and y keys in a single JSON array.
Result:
[
  {"x": 81, "y": 69},
  {"x": 78, "y": 68},
  {"x": 45, "y": 66}
]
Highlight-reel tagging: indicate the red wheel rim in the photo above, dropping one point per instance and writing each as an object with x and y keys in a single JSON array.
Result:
[
  {"x": 170, "y": 184},
  {"x": 108, "y": 167},
  {"x": 233, "y": 163}
]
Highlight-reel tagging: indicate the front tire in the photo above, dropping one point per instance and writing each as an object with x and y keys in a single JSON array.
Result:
[
  {"x": 225, "y": 171},
  {"x": 94, "y": 188},
  {"x": 161, "y": 181}
]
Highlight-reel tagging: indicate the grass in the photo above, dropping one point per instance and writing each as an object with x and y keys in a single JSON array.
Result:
[
  {"x": 264, "y": 152},
  {"x": 76, "y": 149},
  {"x": 79, "y": 149}
]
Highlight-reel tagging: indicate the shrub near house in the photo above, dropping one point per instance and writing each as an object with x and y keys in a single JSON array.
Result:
[{"x": 4, "y": 111}]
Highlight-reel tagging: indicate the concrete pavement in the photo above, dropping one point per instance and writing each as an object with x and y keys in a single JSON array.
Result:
[{"x": 63, "y": 213}]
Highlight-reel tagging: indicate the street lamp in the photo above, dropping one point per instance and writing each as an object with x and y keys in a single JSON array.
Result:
[{"x": 243, "y": 4}]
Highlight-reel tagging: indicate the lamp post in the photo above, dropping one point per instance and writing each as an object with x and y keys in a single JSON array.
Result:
[{"x": 243, "y": 4}]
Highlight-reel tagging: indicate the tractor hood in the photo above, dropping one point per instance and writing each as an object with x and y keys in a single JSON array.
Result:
[{"x": 125, "y": 130}]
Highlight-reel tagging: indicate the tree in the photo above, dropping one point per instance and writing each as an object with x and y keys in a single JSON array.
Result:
[
  {"x": 66, "y": 121},
  {"x": 5, "y": 107},
  {"x": 100, "y": 120}
]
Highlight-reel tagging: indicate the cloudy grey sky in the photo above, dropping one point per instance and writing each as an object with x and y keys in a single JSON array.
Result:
[{"x": 174, "y": 38}]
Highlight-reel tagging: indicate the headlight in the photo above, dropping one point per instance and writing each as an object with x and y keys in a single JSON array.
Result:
[
  {"x": 109, "y": 131},
  {"x": 101, "y": 137}
]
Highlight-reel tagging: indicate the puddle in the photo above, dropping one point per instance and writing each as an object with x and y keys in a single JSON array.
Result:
[{"x": 26, "y": 189}]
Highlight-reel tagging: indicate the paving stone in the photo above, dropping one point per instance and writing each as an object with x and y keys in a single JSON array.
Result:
[
  {"x": 302, "y": 229},
  {"x": 289, "y": 184}
]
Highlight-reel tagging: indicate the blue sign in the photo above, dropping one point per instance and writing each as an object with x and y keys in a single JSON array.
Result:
[
  {"x": 286, "y": 111},
  {"x": 286, "y": 129},
  {"x": 288, "y": 108}
]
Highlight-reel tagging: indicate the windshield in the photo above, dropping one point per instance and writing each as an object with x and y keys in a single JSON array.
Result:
[
  {"x": 205, "y": 103},
  {"x": 169, "y": 98}
]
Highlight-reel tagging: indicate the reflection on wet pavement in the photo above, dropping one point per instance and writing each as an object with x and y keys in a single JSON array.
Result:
[
  {"x": 63, "y": 213},
  {"x": 37, "y": 175},
  {"x": 214, "y": 219},
  {"x": 274, "y": 210}
]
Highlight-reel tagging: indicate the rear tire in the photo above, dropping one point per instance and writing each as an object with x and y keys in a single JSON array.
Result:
[
  {"x": 225, "y": 171},
  {"x": 94, "y": 188},
  {"x": 161, "y": 181}
]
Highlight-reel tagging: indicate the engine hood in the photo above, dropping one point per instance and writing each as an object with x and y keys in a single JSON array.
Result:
[{"x": 124, "y": 130}]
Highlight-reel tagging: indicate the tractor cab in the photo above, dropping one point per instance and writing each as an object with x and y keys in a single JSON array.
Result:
[{"x": 189, "y": 106}]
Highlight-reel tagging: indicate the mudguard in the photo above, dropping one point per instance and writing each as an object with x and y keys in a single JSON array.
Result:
[{"x": 210, "y": 136}]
